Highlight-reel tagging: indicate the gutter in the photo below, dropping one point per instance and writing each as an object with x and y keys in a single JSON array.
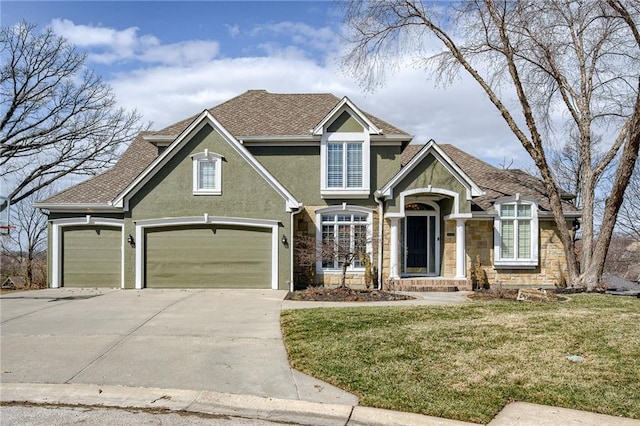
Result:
[{"x": 78, "y": 208}]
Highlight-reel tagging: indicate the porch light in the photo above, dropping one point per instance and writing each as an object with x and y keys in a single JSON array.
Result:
[
  {"x": 131, "y": 241},
  {"x": 284, "y": 240}
]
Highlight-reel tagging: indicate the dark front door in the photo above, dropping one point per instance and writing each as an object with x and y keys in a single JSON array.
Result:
[
  {"x": 416, "y": 244},
  {"x": 421, "y": 245}
]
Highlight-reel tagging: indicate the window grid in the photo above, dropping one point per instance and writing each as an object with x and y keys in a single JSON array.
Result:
[
  {"x": 515, "y": 231},
  {"x": 206, "y": 174},
  {"x": 343, "y": 233}
]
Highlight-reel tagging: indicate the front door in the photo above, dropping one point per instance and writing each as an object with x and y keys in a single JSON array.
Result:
[{"x": 421, "y": 249}]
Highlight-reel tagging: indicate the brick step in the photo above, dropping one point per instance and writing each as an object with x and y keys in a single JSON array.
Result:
[
  {"x": 426, "y": 288},
  {"x": 428, "y": 284}
]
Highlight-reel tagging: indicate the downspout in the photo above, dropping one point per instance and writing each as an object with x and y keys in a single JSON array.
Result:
[
  {"x": 292, "y": 246},
  {"x": 380, "y": 202}
]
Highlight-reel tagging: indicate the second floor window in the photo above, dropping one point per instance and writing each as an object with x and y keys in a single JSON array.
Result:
[
  {"x": 344, "y": 165},
  {"x": 207, "y": 173}
]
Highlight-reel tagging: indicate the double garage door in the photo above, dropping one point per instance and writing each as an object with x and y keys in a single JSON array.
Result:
[
  {"x": 211, "y": 257},
  {"x": 174, "y": 257}
]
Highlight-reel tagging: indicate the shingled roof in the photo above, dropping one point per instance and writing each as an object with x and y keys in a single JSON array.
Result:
[
  {"x": 103, "y": 188},
  {"x": 253, "y": 113},
  {"x": 260, "y": 113},
  {"x": 496, "y": 183}
]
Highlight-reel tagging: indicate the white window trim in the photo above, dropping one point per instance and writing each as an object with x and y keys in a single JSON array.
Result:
[
  {"x": 343, "y": 209},
  {"x": 344, "y": 192},
  {"x": 207, "y": 156},
  {"x": 498, "y": 261}
]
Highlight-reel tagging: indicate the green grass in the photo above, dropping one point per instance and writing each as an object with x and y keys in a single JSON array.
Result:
[{"x": 466, "y": 362}]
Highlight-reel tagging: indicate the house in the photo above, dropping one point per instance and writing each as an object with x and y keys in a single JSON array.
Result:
[
  {"x": 222, "y": 198},
  {"x": 13, "y": 283}
]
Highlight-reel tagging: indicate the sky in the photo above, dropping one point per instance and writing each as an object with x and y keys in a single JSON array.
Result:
[{"x": 170, "y": 60}]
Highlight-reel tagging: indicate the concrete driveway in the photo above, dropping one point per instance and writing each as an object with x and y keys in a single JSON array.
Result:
[{"x": 220, "y": 340}]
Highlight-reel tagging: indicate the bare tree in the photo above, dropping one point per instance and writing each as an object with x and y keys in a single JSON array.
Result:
[
  {"x": 580, "y": 58},
  {"x": 27, "y": 242},
  {"x": 57, "y": 118},
  {"x": 349, "y": 248},
  {"x": 629, "y": 217}
]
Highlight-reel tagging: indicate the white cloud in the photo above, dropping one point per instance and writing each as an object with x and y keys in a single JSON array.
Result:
[
  {"x": 181, "y": 79},
  {"x": 234, "y": 30},
  {"x": 300, "y": 34},
  {"x": 108, "y": 45},
  {"x": 458, "y": 115}
]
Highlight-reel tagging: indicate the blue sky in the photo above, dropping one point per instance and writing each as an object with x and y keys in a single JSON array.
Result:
[{"x": 170, "y": 60}]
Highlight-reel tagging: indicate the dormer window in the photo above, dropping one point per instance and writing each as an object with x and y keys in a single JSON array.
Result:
[
  {"x": 345, "y": 165},
  {"x": 345, "y": 151},
  {"x": 207, "y": 173}
]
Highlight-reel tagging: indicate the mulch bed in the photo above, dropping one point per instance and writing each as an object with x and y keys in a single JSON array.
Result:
[{"x": 323, "y": 294}]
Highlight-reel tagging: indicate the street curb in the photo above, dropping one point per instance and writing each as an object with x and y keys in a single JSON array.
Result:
[
  {"x": 212, "y": 403},
  {"x": 527, "y": 414}
]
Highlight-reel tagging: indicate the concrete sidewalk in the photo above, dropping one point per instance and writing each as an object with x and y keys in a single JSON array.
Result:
[{"x": 278, "y": 410}]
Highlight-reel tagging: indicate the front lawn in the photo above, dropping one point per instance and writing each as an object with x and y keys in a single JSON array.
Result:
[{"x": 466, "y": 362}]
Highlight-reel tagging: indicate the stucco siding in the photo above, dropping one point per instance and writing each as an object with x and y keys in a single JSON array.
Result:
[
  {"x": 345, "y": 123},
  {"x": 245, "y": 194},
  {"x": 298, "y": 169},
  {"x": 430, "y": 173}
]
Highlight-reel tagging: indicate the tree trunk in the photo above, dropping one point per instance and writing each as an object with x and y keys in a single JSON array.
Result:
[{"x": 592, "y": 273}]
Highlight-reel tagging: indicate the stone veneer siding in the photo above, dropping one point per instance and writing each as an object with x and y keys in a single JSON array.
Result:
[
  {"x": 305, "y": 227},
  {"x": 479, "y": 242},
  {"x": 552, "y": 265}
]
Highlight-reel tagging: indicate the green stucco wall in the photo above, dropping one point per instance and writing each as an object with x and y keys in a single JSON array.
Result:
[
  {"x": 430, "y": 172},
  {"x": 245, "y": 194},
  {"x": 298, "y": 169},
  {"x": 345, "y": 123}
]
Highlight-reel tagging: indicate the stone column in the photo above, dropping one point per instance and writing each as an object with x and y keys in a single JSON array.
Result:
[
  {"x": 393, "y": 251},
  {"x": 461, "y": 264}
]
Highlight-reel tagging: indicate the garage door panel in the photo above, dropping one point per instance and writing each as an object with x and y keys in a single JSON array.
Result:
[
  {"x": 91, "y": 256},
  {"x": 211, "y": 257}
]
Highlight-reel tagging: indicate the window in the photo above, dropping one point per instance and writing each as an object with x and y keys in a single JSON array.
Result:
[
  {"x": 343, "y": 234},
  {"x": 345, "y": 165},
  {"x": 207, "y": 173},
  {"x": 344, "y": 171},
  {"x": 516, "y": 234}
]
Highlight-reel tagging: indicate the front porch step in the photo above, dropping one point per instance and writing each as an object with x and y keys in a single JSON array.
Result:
[{"x": 428, "y": 284}]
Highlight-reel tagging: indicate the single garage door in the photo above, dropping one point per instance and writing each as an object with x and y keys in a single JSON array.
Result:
[
  {"x": 208, "y": 257},
  {"x": 91, "y": 256}
]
